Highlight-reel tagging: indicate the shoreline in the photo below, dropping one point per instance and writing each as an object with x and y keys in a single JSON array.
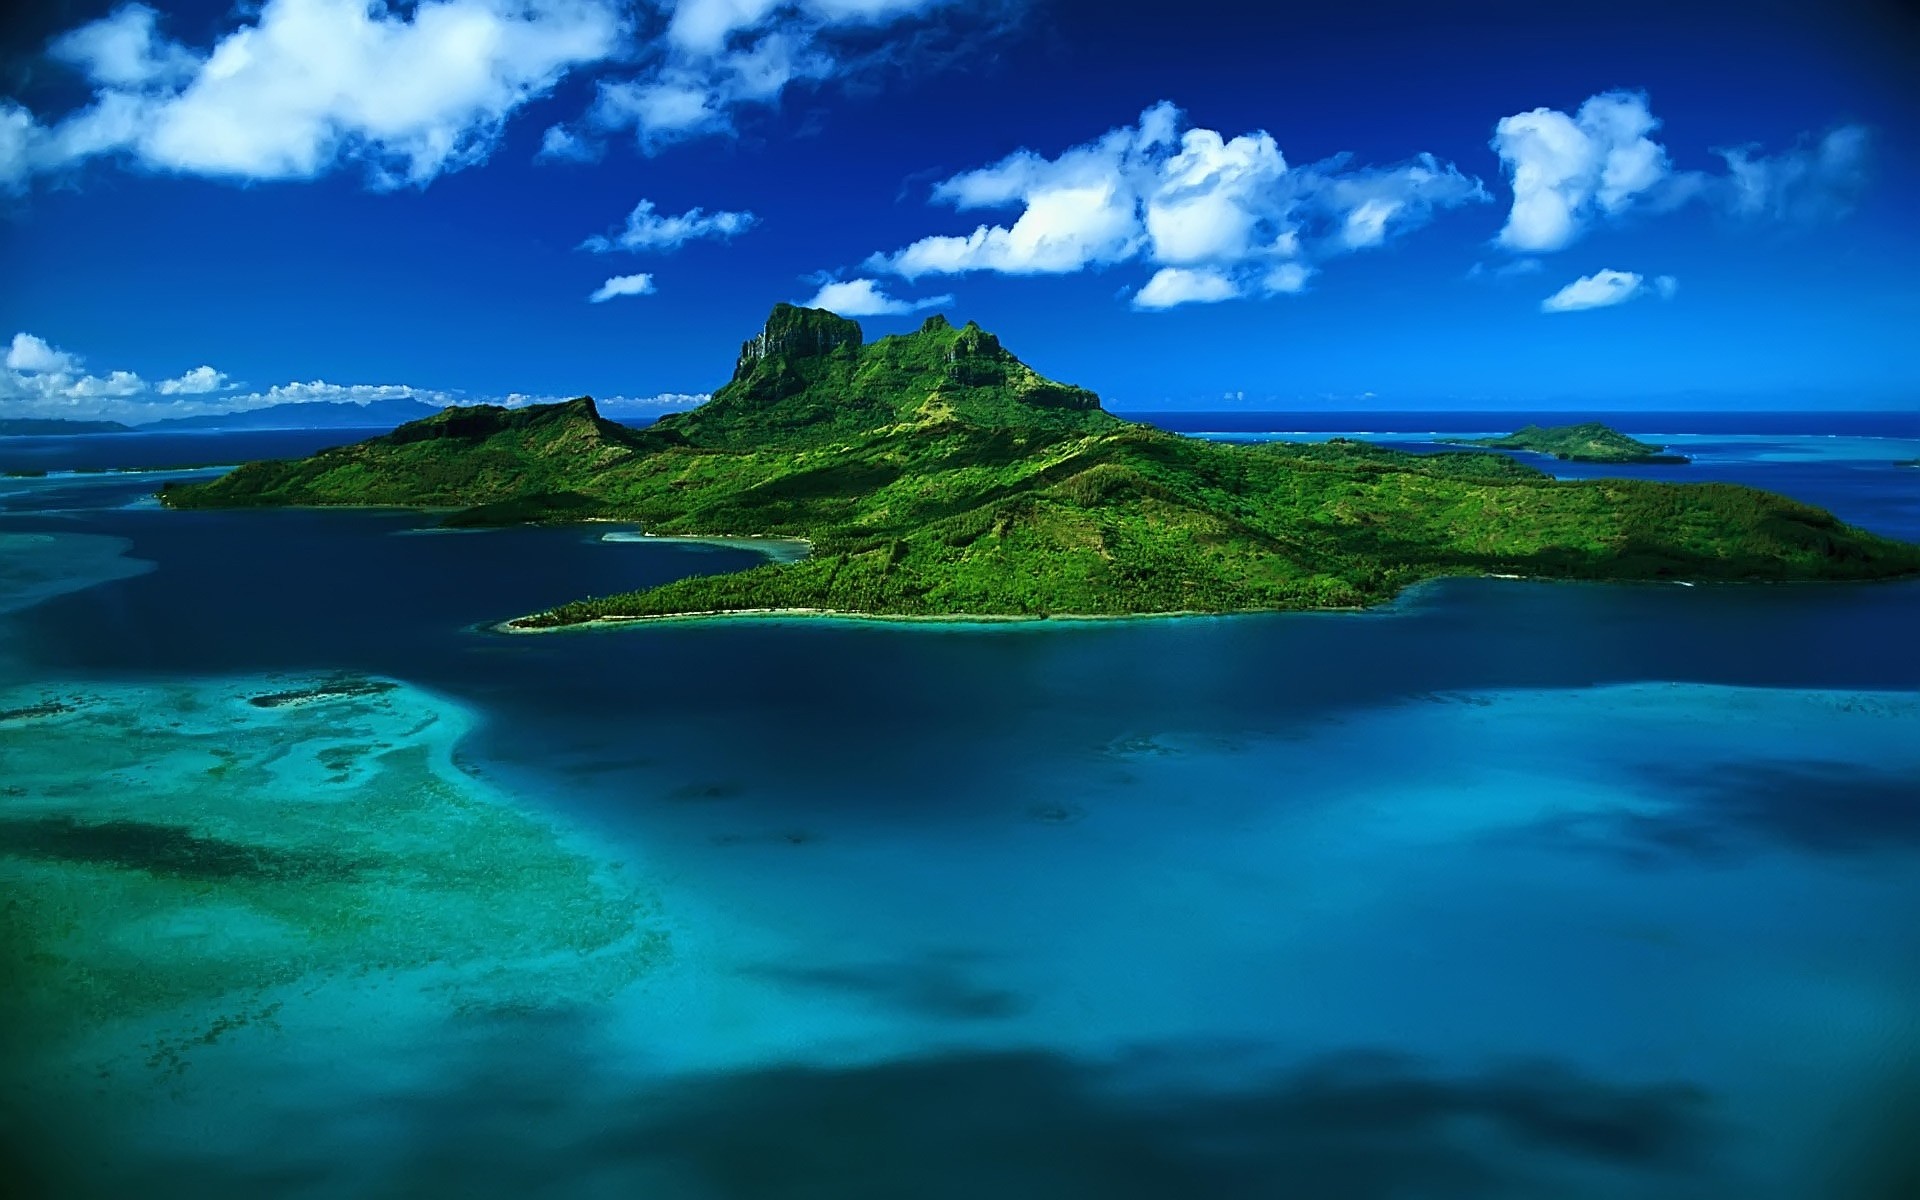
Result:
[
  {"x": 719, "y": 615},
  {"x": 1385, "y": 607},
  {"x": 776, "y": 549}
]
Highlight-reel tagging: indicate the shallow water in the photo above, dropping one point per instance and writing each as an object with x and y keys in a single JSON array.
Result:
[{"x": 1511, "y": 890}]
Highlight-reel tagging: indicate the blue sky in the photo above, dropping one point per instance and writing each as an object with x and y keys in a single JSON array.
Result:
[{"x": 1194, "y": 205}]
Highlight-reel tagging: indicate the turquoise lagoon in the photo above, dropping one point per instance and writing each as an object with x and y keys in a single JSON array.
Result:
[{"x": 318, "y": 888}]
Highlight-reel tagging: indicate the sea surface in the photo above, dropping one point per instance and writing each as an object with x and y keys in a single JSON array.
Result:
[{"x": 1509, "y": 889}]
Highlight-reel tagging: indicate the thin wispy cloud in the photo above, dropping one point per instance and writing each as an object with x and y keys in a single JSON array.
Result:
[
  {"x": 648, "y": 229},
  {"x": 718, "y": 59},
  {"x": 1816, "y": 180}
]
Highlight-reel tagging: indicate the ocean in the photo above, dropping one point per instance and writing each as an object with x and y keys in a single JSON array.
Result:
[{"x": 322, "y": 888}]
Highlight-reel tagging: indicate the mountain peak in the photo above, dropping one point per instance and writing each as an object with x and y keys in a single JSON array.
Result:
[{"x": 795, "y": 332}]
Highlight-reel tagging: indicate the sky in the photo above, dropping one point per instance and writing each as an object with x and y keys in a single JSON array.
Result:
[{"x": 1197, "y": 205}]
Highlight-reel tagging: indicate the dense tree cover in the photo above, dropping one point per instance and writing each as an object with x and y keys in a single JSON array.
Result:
[
  {"x": 937, "y": 475},
  {"x": 1591, "y": 443}
]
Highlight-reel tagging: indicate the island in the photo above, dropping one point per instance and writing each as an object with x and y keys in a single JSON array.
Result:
[
  {"x": 935, "y": 475},
  {"x": 56, "y": 427},
  {"x": 1591, "y": 442}
]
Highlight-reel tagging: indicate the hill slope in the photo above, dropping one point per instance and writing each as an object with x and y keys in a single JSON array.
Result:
[{"x": 936, "y": 474}]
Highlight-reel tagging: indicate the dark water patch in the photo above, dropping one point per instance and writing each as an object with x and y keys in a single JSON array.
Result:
[
  {"x": 1012, "y": 1124},
  {"x": 51, "y": 708},
  {"x": 937, "y": 988},
  {"x": 172, "y": 850},
  {"x": 1055, "y": 814},
  {"x": 778, "y": 837},
  {"x": 1727, "y": 811},
  {"x": 1820, "y": 806},
  {"x": 699, "y": 792}
]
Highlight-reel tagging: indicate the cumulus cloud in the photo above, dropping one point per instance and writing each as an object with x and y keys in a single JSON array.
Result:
[
  {"x": 622, "y": 285},
  {"x": 863, "y": 298},
  {"x": 1565, "y": 170},
  {"x": 409, "y": 91},
  {"x": 647, "y": 229},
  {"x": 30, "y": 353},
  {"x": 1222, "y": 217},
  {"x": 1570, "y": 171},
  {"x": 1171, "y": 286},
  {"x": 196, "y": 382},
  {"x": 1606, "y": 288}
]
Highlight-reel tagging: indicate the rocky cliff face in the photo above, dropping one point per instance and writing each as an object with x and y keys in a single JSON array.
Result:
[{"x": 797, "y": 333}]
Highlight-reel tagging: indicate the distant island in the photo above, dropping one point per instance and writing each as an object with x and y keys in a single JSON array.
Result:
[
  {"x": 314, "y": 414},
  {"x": 1588, "y": 443},
  {"x": 311, "y": 414},
  {"x": 936, "y": 475},
  {"x": 56, "y": 427}
]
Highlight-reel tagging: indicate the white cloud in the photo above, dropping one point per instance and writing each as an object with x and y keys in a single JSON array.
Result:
[
  {"x": 411, "y": 89},
  {"x": 41, "y": 381},
  {"x": 646, "y": 229},
  {"x": 1602, "y": 289},
  {"x": 30, "y": 353},
  {"x": 664, "y": 402},
  {"x": 863, "y": 298},
  {"x": 1185, "y": 285},
  {"x": 1511, "y": 269},
  {"x": 1565, "y": 170},
  {"x": 308, "y": 85},
  {"x": 1568, "y": 172},
  {"x": 196, "y": 382},
  {"x": 623, "y": 285},
  {"x": 718, "y": 57},
  {"x": 1666, "y": 285},
  {"x": 1286, "y": 279},
  {"x": 1230, "y": 212},
  {"x": 125, "y": 50},
  {"x": 1809, "y": 182},
  {"x": 558, "y": 144}
]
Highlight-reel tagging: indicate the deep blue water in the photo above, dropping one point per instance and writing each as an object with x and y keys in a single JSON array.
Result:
[
  {"x": 1897, "y": 424},
  {"x": 1512, "y": 889},
  {"x": 99, "y": 451}
]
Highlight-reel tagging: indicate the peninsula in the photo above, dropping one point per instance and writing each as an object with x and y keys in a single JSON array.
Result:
[
  {"x": 937, "y": 475},
  {"x": 1588, "y": 443}
]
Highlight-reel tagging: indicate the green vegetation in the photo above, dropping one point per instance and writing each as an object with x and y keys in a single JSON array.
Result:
[
  {"x": 1589, "y": 443},
  {"x": 937, "y": 475}
]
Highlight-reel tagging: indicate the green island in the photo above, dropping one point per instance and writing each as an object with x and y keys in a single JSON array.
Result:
[
  {"x": 935, "y": 475},
  {"x": 1591, "y": 442}
]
